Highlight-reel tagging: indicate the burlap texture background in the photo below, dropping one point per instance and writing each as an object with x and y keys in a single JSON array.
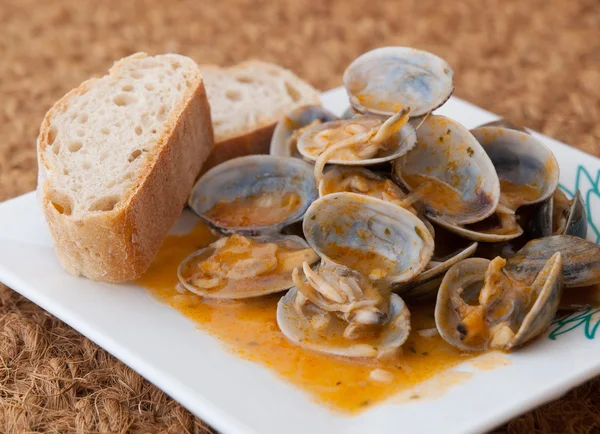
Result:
[{"x": 535, "y": 62}]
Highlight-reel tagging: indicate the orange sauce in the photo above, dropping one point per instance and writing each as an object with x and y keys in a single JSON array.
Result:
[
  {"x": 440, "y": 196},
  {"x": 257, "y": 210},
  {"x": 515, "y": 195},
  {"x": 249, "y": 329}
]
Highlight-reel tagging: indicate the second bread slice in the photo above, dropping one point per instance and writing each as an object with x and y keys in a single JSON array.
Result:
[{"x": 247, "y": 101}]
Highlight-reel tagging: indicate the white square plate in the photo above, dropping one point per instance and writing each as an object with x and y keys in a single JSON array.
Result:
[{"x": 238, "y": 396}]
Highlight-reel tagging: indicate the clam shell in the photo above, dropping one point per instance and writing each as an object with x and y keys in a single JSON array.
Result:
[
  {"x": 298, "y": 330},
  {"x": 372, "y": 226},
  {"x": 521, "y": 159},
  {"x": 402, "y": 142},
  {"x": 543, "y": 311},
  {"x": 384, "y": 80},
  {"x": 573, "y": 211},
  {"x": 268, "y": 283},
  {"x": 281, "y": 143},
  {"x": 481, "y": 235},
  {"x": 581, "y": 260},
  {"x": 443, "y": 143},
  {"x": 469, "y": 273},
  {"x": 253, "y": 175},
  {"x": 537, "y": 219}
]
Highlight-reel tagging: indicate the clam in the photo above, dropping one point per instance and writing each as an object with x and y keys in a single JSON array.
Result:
[
  {"x": 376, "y": 238},
  {"x": 361, "y": 141},
  {"x": 255, "y": 194},
  {"x": 290, "y": 128},
  {"x": 569, "y": 216},
  {"x": 581, "y": 260},
  {"x": 527, "y": 169},
  {"x": 385, "y": 80},
  {"x": 238, "y": 266},
  {"x": 481, "y": 307},
  {"x": 449, "y": 174},
  {"x": 314, "y": 329},
  {"x": 345, "y": 307},
  {"x": 528, "y": 174}
]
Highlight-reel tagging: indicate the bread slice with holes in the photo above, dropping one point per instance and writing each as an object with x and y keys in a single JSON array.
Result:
[
  {"x": 246, "y": 101},
  {"x": 117, "y": 159}
]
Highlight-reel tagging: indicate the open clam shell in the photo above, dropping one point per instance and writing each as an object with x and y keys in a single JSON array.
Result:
[
  {"x": 291, "y": 126},
  {"x": 297, "y": 328},
  {"x": 569, "y": 216},
  {"x": 528, "y": 175},
  {"x": 254, "y": 275},
  {"x": 399, "y": 144},
  {"x": 376, "y": 238},
  {"x": 527, "y": 317},
  {"x": 527, "y": 169},
  {"x": 384, "y": 80},
  {"x": 255, "y": 194},
  {"x": 581, "y": 260},
  {"x": 447, "y": 155}
]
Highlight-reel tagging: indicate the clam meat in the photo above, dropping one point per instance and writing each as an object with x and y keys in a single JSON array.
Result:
[
  {"x": 238, "y": 266},
  {"x": 362, "y": 181},
  {"x": 358, "y": 141}
]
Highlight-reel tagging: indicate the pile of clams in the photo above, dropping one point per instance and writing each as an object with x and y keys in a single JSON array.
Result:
[{"x": 356, "y": 218}]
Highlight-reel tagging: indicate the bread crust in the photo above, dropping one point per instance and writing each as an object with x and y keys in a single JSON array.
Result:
[
  {"x": 255, "y": 142},
  {"x": 119, "y": 245}
]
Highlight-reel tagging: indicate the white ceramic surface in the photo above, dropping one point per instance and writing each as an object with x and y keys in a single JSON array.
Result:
[{"x": 238, "y": 396}]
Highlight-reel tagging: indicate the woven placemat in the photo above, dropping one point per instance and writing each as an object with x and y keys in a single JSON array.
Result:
[{"x": 535, "y": 62}]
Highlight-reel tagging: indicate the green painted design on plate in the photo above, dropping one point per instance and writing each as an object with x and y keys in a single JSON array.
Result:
[{"x": 588, "y": 318}]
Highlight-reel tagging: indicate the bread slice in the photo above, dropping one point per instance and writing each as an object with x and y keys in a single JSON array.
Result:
[
  {"x": 246, "y": 101},
  {"x": 117, "y": 159}
]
